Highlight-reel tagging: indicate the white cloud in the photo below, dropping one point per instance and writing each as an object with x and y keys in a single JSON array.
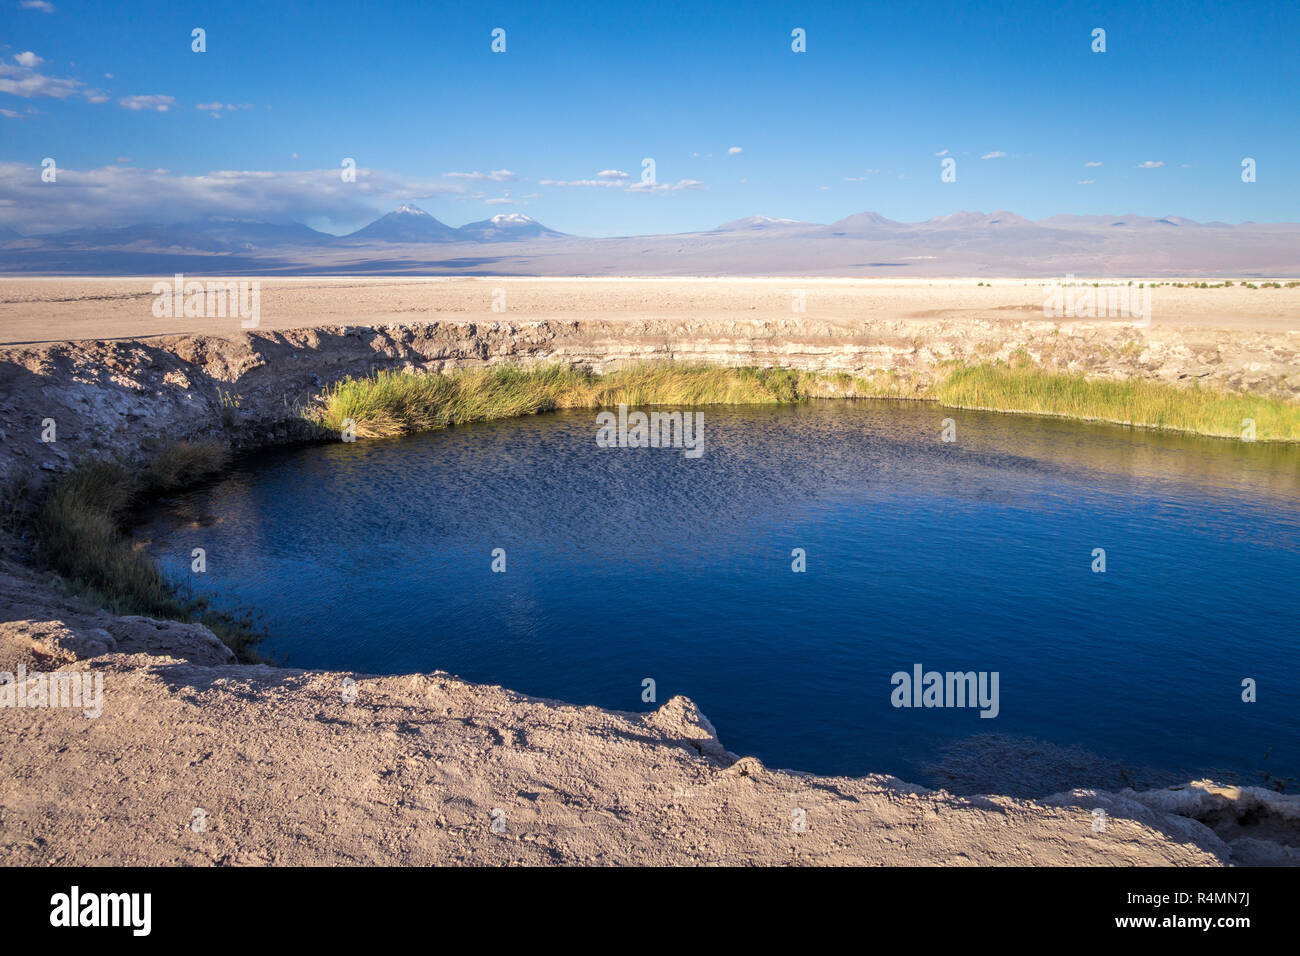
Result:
[
  {"x": 582, "y": 182},
  {"x": 227, "y": 107},
  {"x": 123, "y": 159},
  {"x": 116, "y": 195},
  {"x": 10, "y": 114},
  {"x": 495, "y": 176},
  {"x": 153, "y": 101},
  {"x": 26, "y": 82},
  {"x": 734, "y": 150},
  {"x": 28, "y": 59},
  {"x": 996, "y": 154},
  {"x": 500, "y": 201},
  {"x": 42, "y": 5},
  {"x": 1085, "y": 182},
  {"x": 942, "y": 152},
  {"x": 1092, "y": 164},
  {"x": 640, "y": 187},
  {"x": 617, "y": 179},
  {"x": 1151, "y": 164}
]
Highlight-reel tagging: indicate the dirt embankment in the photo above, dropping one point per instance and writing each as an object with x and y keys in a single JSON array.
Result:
[
  {"x": 196, "y": 759},
  {"x": 122, "y": 396}
]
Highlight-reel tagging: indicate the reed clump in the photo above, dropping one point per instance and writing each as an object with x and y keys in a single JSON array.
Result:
[
  {"x": 1022, "y": 387},
  {"x": 80, "y": 533},
  {"x": 391, "y": 403}
]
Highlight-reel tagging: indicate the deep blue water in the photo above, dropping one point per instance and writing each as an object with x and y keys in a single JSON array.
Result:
[{"x": 623, "y": 564}]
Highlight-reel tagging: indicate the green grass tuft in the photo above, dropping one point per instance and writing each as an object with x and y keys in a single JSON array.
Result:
[
  {"x": 79, "y": 532},
  {"x": 395, "y": 403},
  {"x": 1203, "y": 411}
]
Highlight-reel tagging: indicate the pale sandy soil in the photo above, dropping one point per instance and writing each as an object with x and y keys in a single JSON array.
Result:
[
  {"x": 286, "y": 769},
  {"x": 199, "y": 762},
  {"x": 56, "y": 309}
]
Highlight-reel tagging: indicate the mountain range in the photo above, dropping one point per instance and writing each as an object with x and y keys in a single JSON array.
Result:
[{"x": 409, "y": 240}]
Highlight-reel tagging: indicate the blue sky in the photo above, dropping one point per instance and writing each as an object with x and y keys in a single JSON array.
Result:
[{"x": 413, "y": 92}]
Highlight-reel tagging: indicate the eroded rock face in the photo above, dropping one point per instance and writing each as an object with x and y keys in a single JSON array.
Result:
[
  {"x": 38, "y": 645},
  {"x": 682, "y": 719},
  {"x": 118, "y": 398},
  {"x": 1261, "y": 827},
  {"x": 44, "y": 629}
]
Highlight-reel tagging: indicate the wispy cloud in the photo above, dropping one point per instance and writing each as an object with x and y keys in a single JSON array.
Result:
[
  {"x": 22, "y": 80},
  {"x": 28, "y": 59},
  {"x": 42, "y": 5},
  {"x": 734, "y": 150},
  {"x": 157, "y": 102},
  {"x": 611, "y": 183},
  {"x": 617, "y": 179},
  {"x": 640, "y": 187},
  {"x": 1092, "y": 164},
  {"x": 1085, "y": 182},
  {"x": 112, "y": 195},
  {"x": 942, "y": 152},
  {"x": 996, "y": 154},
  {"x": 495, "y": 176},
  {"x": 1151, "y": 164}
]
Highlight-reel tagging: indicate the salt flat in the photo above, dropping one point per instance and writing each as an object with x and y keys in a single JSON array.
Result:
[{"x": 62, "y": 309}]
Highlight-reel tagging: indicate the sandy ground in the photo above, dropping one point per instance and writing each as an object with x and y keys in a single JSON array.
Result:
[
  {"x": 50, "y": 310},
  {"x": 197, "y": 762}
]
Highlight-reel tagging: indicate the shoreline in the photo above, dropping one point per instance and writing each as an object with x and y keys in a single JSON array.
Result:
[{"x": 288, "y": 770}]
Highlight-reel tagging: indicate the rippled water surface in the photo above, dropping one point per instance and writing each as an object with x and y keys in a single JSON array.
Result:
[{"x": 626, "y": 564}]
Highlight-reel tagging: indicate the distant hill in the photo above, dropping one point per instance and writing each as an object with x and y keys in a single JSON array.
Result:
[
  {"x": 506, "y": 227},
  {"x": 204, "y": 235},
  {"x": 409, "y": 241},
  {"x": 407, "y": 223},
  {"x": 863, "y": 223},
  {"x": 764, "y": 223}
]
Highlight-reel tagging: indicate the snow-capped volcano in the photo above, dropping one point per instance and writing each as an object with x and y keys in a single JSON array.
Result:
[
  {"x": 407, "y": 223},
  {"x": 505, "y": 227},
  {"x": 758, "y": 222}
]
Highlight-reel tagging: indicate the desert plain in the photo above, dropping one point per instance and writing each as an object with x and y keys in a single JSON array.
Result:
[
  {"x": 36, "y": 310},
  {"x": 199, "y": 759}
]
